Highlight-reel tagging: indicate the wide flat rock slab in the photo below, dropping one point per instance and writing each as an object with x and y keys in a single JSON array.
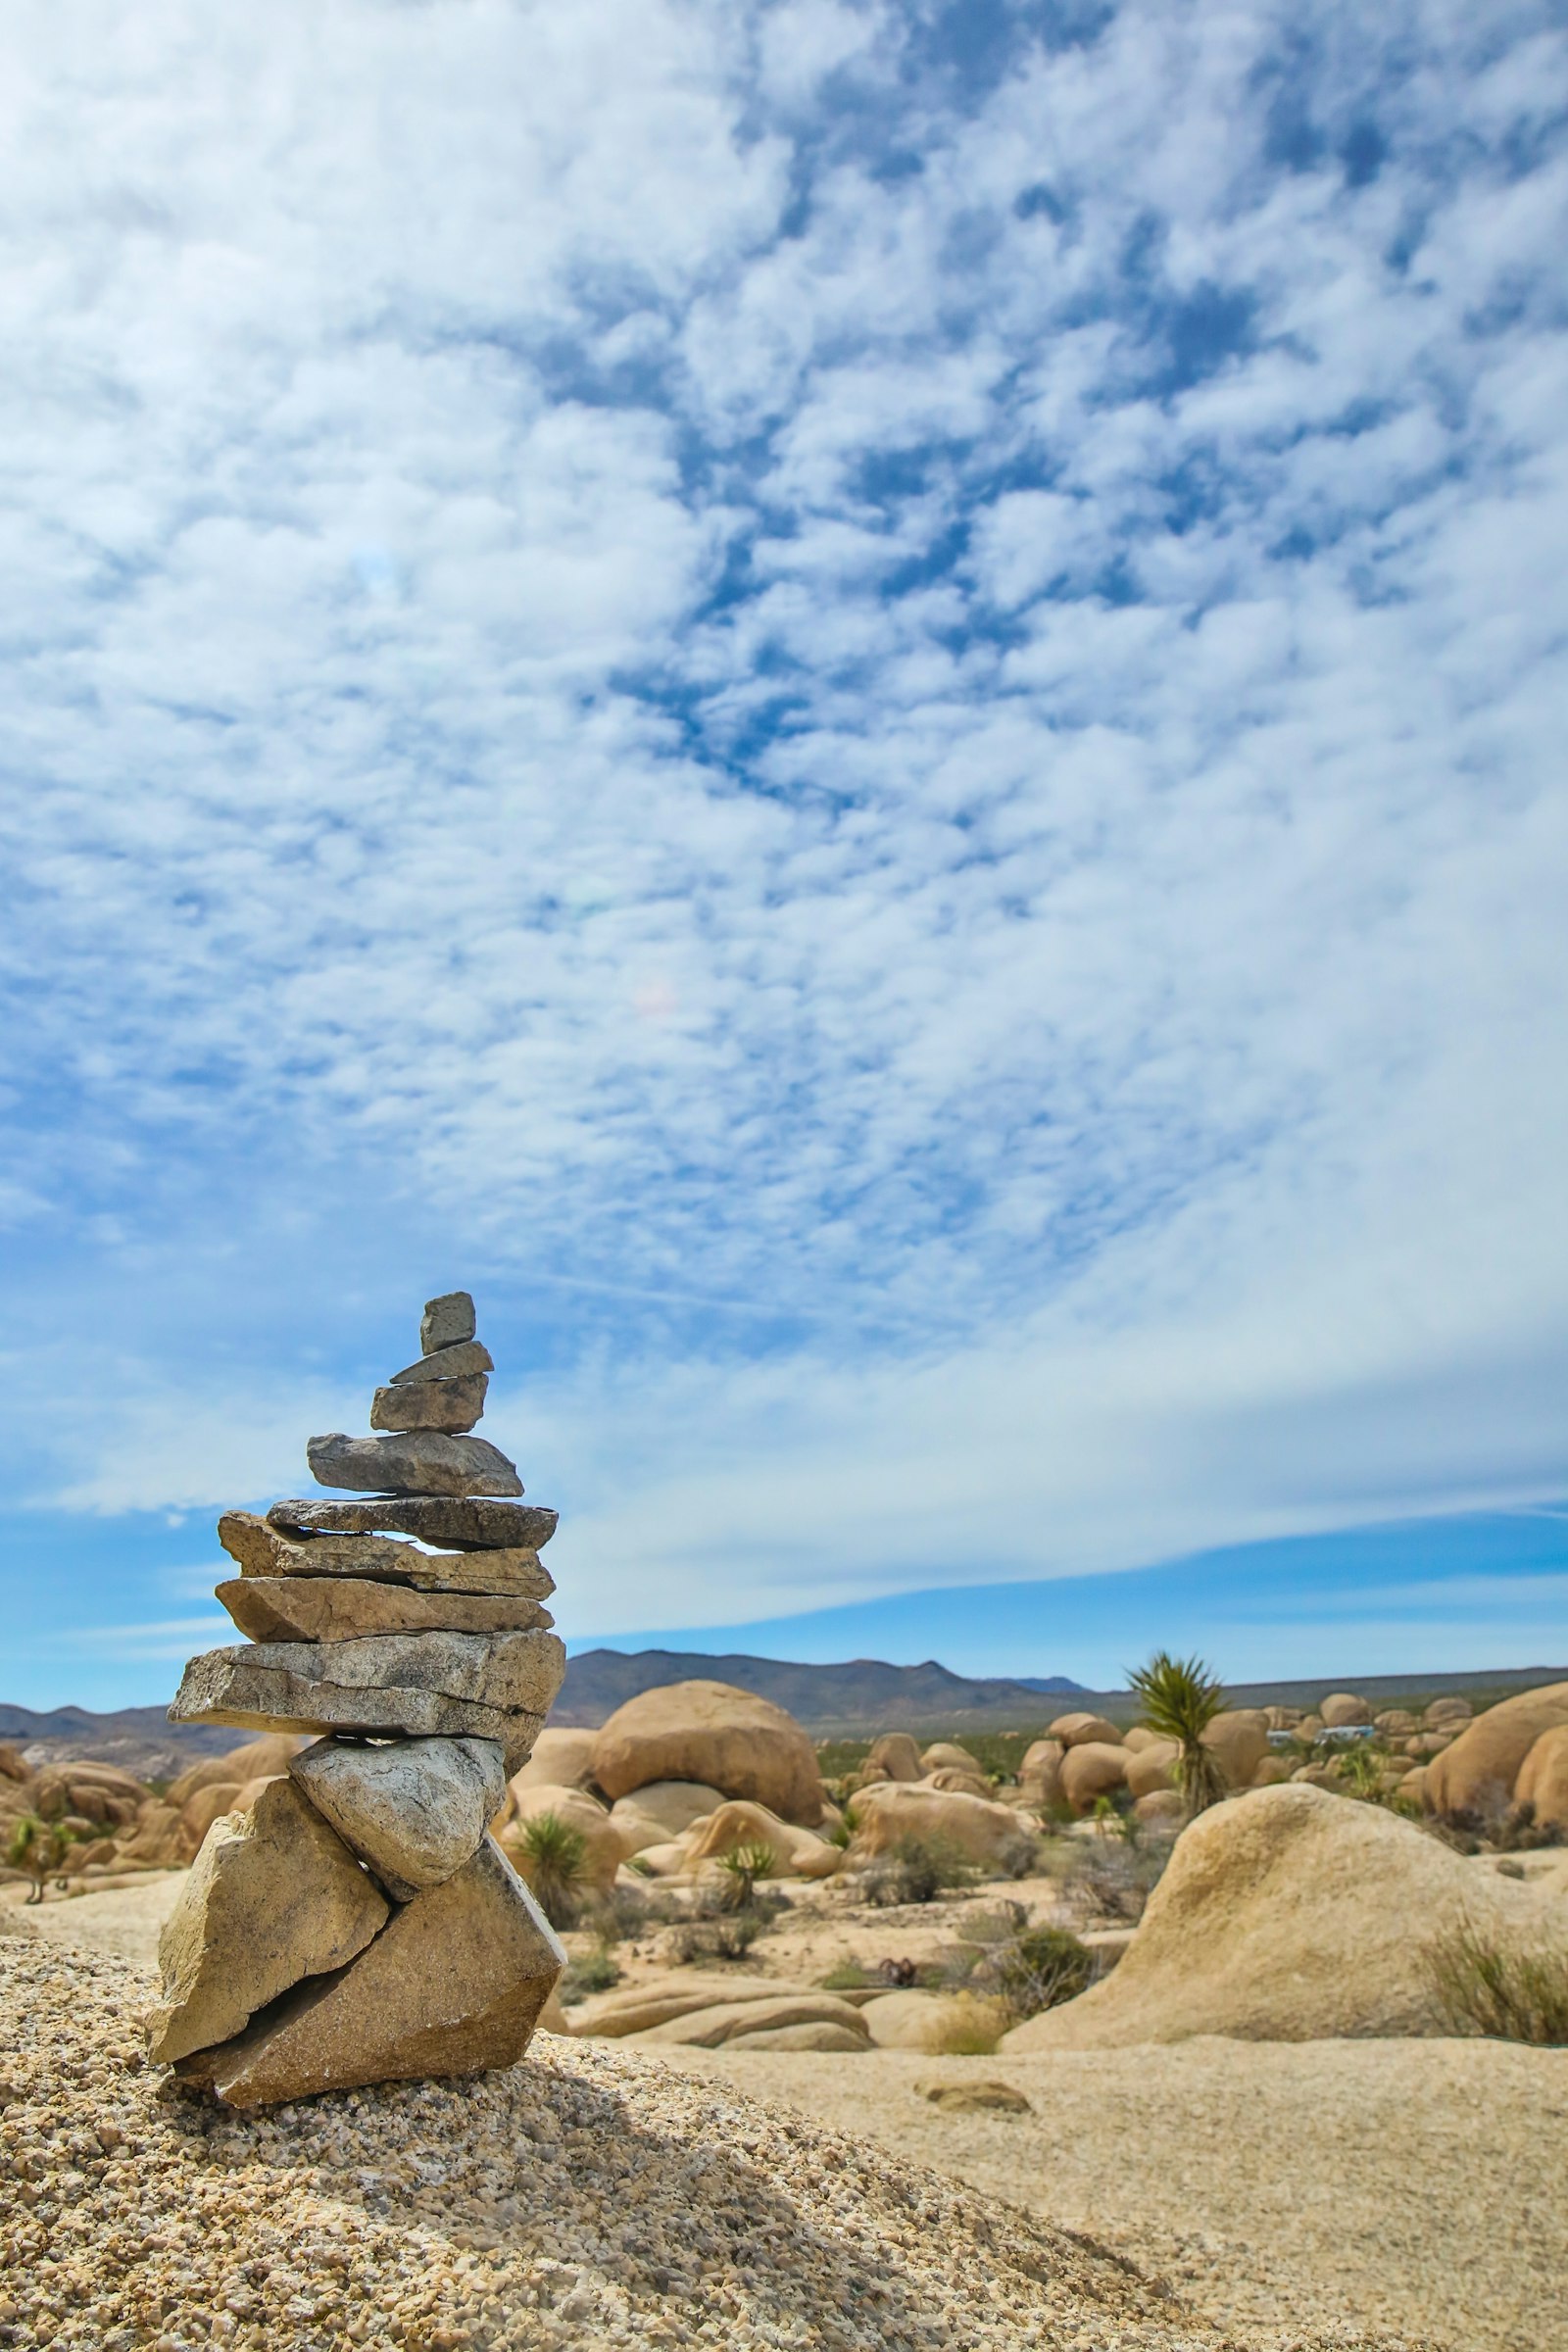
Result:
[
  {"x": 469, "y": 1523},
  {"x": 346, "y": 1608},
  {"x": 268, "y": 1547},
  {"x": 274, "y": 1895},
  {"x": 413, "y": 1810},
  {"x": 460, "y": 1363},
  {"x": 453, "y": 1985},
  {"x": 419, "y": 1685},
  {"x": 453, "y": 1406},
  {"x": 413, "y": 1462}
]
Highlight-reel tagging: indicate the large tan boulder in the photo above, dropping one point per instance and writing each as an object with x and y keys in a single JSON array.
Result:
[
  {"x": 605, "y": 1852},
  {"x": 949, "y": 1777},
  {"x": 199, "y": 1812},
  {"x": 101, "y": 1793},
  {"x": 1040, "y": 1775},
  {"x": 1447, "y": 1714},
  {"x": 273, "y": 1896},
  {"x": 1073, "y": 1730},
  {"x": 159, "y": 1840},
  {"x": 1477, "y": 1773},
  {"x": 898, "y": 1755},
  {"x": 663, "y": 1810},
  {"x": 943, "y": 1755},
  {"x": 1153, "y": 1766},
  {"x": 1343, "y": 1710},
  {"x": 1141, "y": 1736},
  {"x": 975, "y": 1828},
  {"x": 710, "y": 1732},
  {"x": 905, "y": 2021},
  {"x": 451, "y": 1986},
  {"x": 1239, "y": 1739},
  {"x": 1091, "y": 1769},
  {"x": 255, "y": 1760},
  {"x": 797, "y": 1853},
  {"x": 1395, "y": 1723},
  {"x": 1273, "y": 1771},
  {"x": 1542, "y": 1781},
  {"x": 818, "y": 2033},
  {"x": 561, "y": 1759},
  {"x": 1289, "y": 1915}
]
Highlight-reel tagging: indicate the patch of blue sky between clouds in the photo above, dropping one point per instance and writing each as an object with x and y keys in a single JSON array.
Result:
[{"x": 860, "y": 702}]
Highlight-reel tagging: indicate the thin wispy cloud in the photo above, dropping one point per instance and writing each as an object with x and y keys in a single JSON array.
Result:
[{"x": 862, "y": 701}]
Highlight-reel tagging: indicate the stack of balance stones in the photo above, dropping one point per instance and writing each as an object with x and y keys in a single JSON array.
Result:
[{"x": 359, "y": 1924}]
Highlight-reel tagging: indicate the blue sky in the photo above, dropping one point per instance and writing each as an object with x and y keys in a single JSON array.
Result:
[{"x": 861, "y": 706}]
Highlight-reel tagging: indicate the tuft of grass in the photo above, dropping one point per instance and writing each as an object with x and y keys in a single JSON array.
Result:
[
  {"x": 596, "y": 1972},
  {"x": 1482, "y": 1988},
  {"x": 552, "y": 1857},
  {"x": 915, "y": 1871},
  {"x": 847, "y": 1976},
  {"x": 1039, "y": 1969}
]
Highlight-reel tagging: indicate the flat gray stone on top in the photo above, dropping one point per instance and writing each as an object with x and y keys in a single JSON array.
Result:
[
  {"x": 413, "y": 1810},
  {"x": 466, "y": 1522},
  {"x": 421, "y": 1686},
  {"x": 349, "y": 1608},
  {"x": 265, "y": 1547},
  {"x": 413, "y": 1462},
  {"x": 453, "y": 1406},
  {"x": 447, "y": 1322},
  {"x": 458, "y": 1362}
]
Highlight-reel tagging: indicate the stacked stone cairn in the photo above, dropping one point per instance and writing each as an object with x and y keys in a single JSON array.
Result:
[{"x": 359, "y": 1924}]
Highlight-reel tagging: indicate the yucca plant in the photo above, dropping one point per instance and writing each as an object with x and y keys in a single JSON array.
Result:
[
  {"x": 1180, "y": 1698},
  {"x": 743, "y": 1866},
  {"x": 39, "y": 1848},
  {"x": 552, "y": 1857}
]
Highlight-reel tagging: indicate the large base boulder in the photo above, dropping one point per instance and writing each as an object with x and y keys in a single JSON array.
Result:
[
  {"x": 710, "y": 1732},
  {"x": 275, "y": 1897},
  {"x": 1291, "y": 1915},
  {"x": 453, "y": 1985}
]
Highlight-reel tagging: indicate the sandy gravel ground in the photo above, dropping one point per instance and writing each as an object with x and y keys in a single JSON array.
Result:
[
  {"x": 1416, "y": 2184},
  {"x": 589, "y": 2198},
  {"x": 1288, "y": 2193}
]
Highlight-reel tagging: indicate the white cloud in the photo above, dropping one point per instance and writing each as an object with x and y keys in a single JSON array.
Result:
[{"x": 648, "y": 646}]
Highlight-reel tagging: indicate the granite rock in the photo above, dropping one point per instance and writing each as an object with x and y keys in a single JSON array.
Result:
[
  {"x": 447, "y": 1322},
  {"x": 469, "y": 1523},
  {"x": 265, "y": 1547},
  {"x": 453, "y": 1984},
  {"x": 274, "y": 1895},
  {"x": 413, "y": 1462},
  {"x": 343, "y": 1609},
  {"x": 413, "y": 1810},
  {"x": 419, "y": 1685},
  {"x": 448, "y": 1363},
  {"x": 452, "y": 1405}
]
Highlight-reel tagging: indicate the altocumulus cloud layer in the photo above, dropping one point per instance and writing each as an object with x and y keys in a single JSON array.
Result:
[{"x": 861, "y": 702}]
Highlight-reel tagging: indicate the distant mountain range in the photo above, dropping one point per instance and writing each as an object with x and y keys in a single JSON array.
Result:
[
  {"x": 141, "y": 1739},
  {"x": 849, "y": 1700}
]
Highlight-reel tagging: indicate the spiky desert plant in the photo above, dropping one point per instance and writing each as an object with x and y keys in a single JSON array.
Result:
[
  {"x": 552, "y": 1857},
  {"x": 1508, "y": 1995},
  {"x": 1180, "y": 1698},
  {"x": 741, "y": 1867},
  {"x": 37, "y": 1848}
]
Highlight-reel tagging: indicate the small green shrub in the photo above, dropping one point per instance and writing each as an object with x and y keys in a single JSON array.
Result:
[
  {"x": 1041, "y": 1968},
  {"x": 915, "y": 1871},
  {"x": 847, "y": 1976},
  {"x": 597, "y": 1972},
  {"x": 552, "y": 1857},
  {"x": 1482, "y": 1988},
  {"x": 729, "y": 1937}
]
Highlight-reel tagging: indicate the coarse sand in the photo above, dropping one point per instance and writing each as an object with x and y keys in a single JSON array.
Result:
[{"x": 590, "y": 2198}]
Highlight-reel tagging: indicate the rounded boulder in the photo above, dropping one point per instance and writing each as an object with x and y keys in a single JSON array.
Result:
[
  {"x": 1153, "y": 1766},
  {"x": 1239, "y": 1739},
  {"x": 1343, "y": 1711},
  {"x": 975, "y": 1828},
  {"x": 1477, "y": 1772},
  {"x": 1092, "y": 1769},
  {"x": 796, "y": 1853},
  {"x": 710, "y": 1732},
  {"x": 663, "y": 1810},
  {"x": 897, "y": 1753},
  {"x": 1075, "y": 1731},
  {"x": 943, "y": 1756},
  {"x": 561, "y": 1759},
  {"x": 1543, "y": 1782}
]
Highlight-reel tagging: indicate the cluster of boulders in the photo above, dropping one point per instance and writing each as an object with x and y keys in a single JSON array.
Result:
[
  {"x": 1084, "y": 1757},
  {"x": 356, "y": 1922}
]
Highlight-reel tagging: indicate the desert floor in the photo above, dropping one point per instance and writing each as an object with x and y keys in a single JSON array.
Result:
[{"x": 1416, "y": 2185}]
